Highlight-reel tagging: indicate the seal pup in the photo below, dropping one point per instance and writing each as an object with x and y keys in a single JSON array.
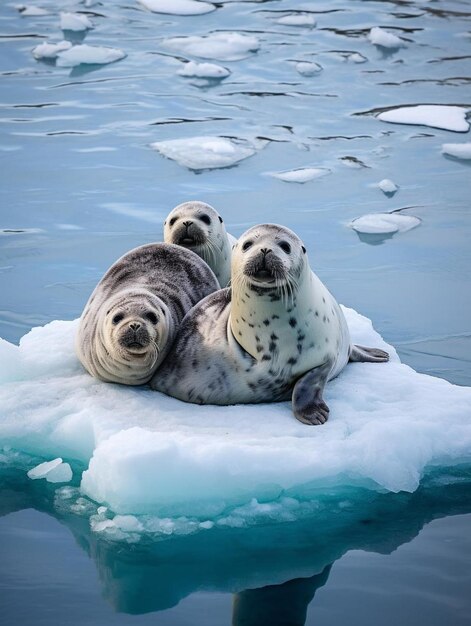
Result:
[
  {"x": 133, "y": 314},
  {"x": 199, "y": 227},
  {"x": 277, "y": 334}
]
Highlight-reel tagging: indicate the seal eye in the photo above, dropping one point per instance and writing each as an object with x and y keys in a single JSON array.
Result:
[
  {"x": 220, "y": 218},
  {"x": 117, "y": 318},
  {"x": 151, "y": 316},
  {"x": 284, "y": 245},
  {"x": 247, "y": 245},
  {"x": 205, "y": 218},
  {"x": 303, "y": 249},
  {"x": 172, "y": 221}
]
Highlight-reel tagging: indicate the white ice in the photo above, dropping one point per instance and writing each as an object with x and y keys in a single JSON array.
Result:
[
  {"x": 384, "y": 223},
  {"x": 225, "y": 46},
  {"x": 32, "y": 11},
  {"x": 380, "y": 37},
  {"x": 48, "y": 50},
  {"x": 457, "y": 150},
  {"x": 203, "y": 70},
  {"x": 91, "y": 55},
  {"x": 149, "y": 454},
  {"x": 75, "y": 22},
  {"x": 206, "y": 152},
  {"x": 297, "y": 19},
  {"x": 178, "y": 7},
  {"x": 446, "y": 117},
  {"x": 55, "y": 471},
  {"x": 301, "y": 174},
  {"x": 388, "y": 186},
  {"x": 308, "y": 68}
]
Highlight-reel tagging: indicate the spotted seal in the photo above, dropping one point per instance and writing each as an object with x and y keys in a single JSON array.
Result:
[
  {"x": 277, "y": 334},
  {"x": 199, "y": 227},
  {"x": 133, "y": 314}
]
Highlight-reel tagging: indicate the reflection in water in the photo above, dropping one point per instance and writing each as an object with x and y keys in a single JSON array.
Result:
[{"x": 271, "y": 586}]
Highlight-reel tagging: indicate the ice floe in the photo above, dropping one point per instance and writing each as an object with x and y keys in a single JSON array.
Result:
[
  {"x": 441, "y": 116},
  {"x": 48, "y": 50},
  {"x": 205, "y": 152},
  {"x": 226, "y": 46},
  {"x": 301, "y": 174},
  {"x": 55, "y": 471},
  {"x": 178, "y": 7},
  {"x": 203, "y": 70},
  {"x": 297, "y": 19},
  {"x": 384, "y": 223},
  {"x": 380, "y": 37},
  {"x": 32, "y": 11},
  {"x": 308, "y": 68},
  {"x": 75, "y": 22},
  {"x": 90, "y": 55},
  {"x": 457, "y": 150},
  {"x": 149, "y": 454},
  {"x": 388, "y": 187}
]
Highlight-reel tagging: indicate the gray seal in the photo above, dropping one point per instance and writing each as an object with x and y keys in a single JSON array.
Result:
[
  {"x": 132, "y": 316},
  {"x": 199, "y": 227},
  {"x": 277, "y": 334}
]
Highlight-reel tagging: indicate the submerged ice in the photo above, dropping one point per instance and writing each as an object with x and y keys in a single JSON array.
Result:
[{"x": 147, "y": 454}]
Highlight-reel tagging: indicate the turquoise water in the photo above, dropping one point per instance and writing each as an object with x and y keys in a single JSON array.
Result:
[{"x": 80, "y": 186}]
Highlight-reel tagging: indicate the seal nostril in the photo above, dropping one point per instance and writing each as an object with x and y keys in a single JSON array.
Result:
[
  {"x": 187, "y": 224},
  {"x": 134, "y": 325},
  {"x": 265, "y": 251}
]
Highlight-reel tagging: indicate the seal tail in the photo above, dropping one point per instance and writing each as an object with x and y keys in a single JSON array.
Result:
[{"x": 360, "y": 354}]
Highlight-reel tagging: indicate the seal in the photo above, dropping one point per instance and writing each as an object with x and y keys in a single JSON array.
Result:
[
  {"x": 199, "y": 227},
  {"x": 277, "y": 334},
  {"x": 132, "y": 316}
]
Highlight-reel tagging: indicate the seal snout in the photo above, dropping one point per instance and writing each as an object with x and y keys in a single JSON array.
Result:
[
  {"x": 135, "y": 336},
  {"x": 264, "y": 267}
]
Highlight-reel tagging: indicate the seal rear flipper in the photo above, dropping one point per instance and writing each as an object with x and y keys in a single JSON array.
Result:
[
  {"x": 307, "y": 402},
  {"x": 360, "y": 354}
]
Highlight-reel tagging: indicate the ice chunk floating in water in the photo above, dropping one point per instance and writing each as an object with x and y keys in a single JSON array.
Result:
[
  {"x": 308, "y": 68},
  {"x": 150, "y": 454},
  {"x": 381, "y": 37},
  {"x": 433, "y": 115},
  {"x": 75, "y": 22},
  {"x": 457, "y": 150},
  {"x": 50, "y": 50},
  {"x": 225, "y": 46},
  {"x": 178, "y": 7},
  {"x": 203, "y": 70},
  {"x": 297, "y": 19},
  {"x": 384, "y": 223},
  {"x": 90, "y": 55},
  {"x": 301, "y": 174},
  {"x": 200, "y": 153},
  {"x": 388, "y": 187},
  {"x": 53, "y": 471}
]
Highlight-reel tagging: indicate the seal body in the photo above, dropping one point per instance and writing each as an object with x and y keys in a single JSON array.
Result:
[
  {"x": 199, "y": 227},
  {"x": 277, "y": 334},
  {"x": 132, "y": 316}
]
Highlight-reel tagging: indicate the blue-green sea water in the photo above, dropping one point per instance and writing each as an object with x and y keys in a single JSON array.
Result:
[{"x": 80, "y": 185}]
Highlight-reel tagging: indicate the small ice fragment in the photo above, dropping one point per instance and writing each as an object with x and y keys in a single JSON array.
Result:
[
  {"x": 384, "y": 223},
  {"x": 308, "y": 68},
  {"x": 301, "y": 174},
  {"x": 206, "y": 152},
  {"x": 178, "y": 7},
  {"x": 203, "y": 70},
  {"x": 89, "y": 55},
  {"x": 128, "y": 523},
  {"x": 457, "y": 150},
  {"x": 353, "y": 162},
  {"x": 387, "y": 186},
  {"x": 297, "y": 19},
  {"x": 226, "y": 46},
  {"x": 207, "y": 525},
  {"x": 50, "y": 50},
  {"x": 380, "y": 37},
  {"x": 101, "y": 510},
  {"x": 75, "y": 22},
  {"x": 441, "y": 116},
  {"x": 54, "y": 471},
  {"x": 356, "y": 57},
  {"x": 32, "y": 11}
]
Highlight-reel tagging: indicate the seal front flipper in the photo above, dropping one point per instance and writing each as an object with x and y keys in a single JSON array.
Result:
[
  {"x": 360, "y": 354},
  {"x": 308, "y": 404}
]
